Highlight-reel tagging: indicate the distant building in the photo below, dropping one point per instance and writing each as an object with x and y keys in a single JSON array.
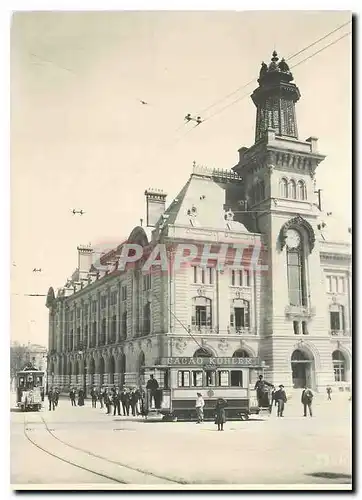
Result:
[{"x": 295, "y": 316}]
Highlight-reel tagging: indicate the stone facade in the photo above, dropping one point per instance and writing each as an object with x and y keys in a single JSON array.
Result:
[{"x": 110, "y": 326}]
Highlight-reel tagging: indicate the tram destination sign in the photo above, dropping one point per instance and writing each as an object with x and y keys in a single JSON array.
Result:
[{"x": 211, "y": 362}]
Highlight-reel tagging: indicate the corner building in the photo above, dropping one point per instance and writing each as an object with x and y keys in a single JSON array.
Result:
[{"x": 107, "y": 324}]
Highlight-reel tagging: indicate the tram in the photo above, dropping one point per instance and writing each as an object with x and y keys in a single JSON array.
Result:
[
  {"x": 29, "y": 388},
  {"x": 180, "y": 379}
]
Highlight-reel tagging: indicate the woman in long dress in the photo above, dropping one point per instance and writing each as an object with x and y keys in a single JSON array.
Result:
[
  {"x": 220, "y": 413},
  {"x": 80, "y": 397}
]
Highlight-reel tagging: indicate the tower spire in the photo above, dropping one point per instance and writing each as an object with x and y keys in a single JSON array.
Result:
[{"x": 275, "y": 99}]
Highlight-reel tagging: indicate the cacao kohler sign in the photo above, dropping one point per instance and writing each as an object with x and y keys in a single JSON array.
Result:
[{"x": 211, "y": 362}]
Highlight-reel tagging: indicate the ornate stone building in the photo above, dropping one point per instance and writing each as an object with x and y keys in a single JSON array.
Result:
[{"x": 293, "y": 309}]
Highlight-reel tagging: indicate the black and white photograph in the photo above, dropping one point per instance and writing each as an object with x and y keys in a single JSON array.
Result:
[{"x": 181, "y": 249}]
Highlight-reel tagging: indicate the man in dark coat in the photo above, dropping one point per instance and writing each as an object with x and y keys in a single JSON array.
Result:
[
  {"x": 125, "y": 402},
  {"x": 281, "y": 398},
  {"x": 329, "y": 392},
  {"x": 220, "y": 417},
  {"x": 117, "y": 403},
  {"x": 51, "y": 400},
  {"x": 80, "y": 397},
  {"x": 152, "y": 387},
  {"x": 262, "y": 392},
  {"x": 72, "y": 397},
  {"x": 307, "y": 399},
  {"x": 94, "y": 397}
]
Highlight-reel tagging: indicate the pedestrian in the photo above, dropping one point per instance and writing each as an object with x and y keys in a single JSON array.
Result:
[
  {"x": 56, "y": 396},
  {"x": 272, "y": 399},
  {"x": 262, "y": 392},
  {"x": 134, "y": 401},
  {"x": 101, "y": 396},
  {"x": 199, "y": 405},
  {"x": 72, "y": 397},
  {"x": 116, "y": 403},
  {"x": 307, "y": 399},
  {"x": 152, "y": 387},
  {"x": 329, "y": 392},
  {"x": 51, "y": 400},
  {"x": 281, "y": 398},
  {"x": 94, "y": 397},
  {"x": 220, "y": 417},
  {"x": 124, "y": 401},
  {"x": 80, "y": 397},
  {"x": 107, "y": 401}
]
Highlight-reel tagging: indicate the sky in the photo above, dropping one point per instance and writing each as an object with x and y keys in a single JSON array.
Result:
[{"x": 80, "y": 137}]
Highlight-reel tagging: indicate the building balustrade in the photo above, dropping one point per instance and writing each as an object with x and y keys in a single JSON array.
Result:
[
  {"x": 339, "y": 333},
  {"x": 300, "y": 311},
  {"x": 233, "y": 330}
]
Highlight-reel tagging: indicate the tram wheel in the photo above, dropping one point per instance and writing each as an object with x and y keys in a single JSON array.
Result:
[{"x": 244, "y": 416}]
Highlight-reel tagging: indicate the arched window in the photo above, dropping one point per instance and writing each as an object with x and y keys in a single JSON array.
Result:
[
  {"x": 283, "y": 188},
  {"x": 201, "y": 313},
  {"x": 336, "y": 317},
  {"x": 299, "y": 355},
  {"x": 241, "y": 353},
  {"x": 239, "y": 314},
  {"x": 301, "y": 191},
  {"x": 147, "y": 319},
  {"x": 292, "y": 190},
  {"x": 339, "y": 366},
  {"x": 203, "y": 352},
  {"x": 296, "y": 275},
  {"x": 262, "y": 191}
]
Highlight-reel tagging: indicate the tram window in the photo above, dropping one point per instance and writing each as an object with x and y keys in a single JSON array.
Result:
[
  {"x": 210, "y": 378},
  {"x": 236, "y": 378},
  {"x": 223, "y": 378},
  {"x": 196, "y": 378},
  {"x": 183, "y": 378}
]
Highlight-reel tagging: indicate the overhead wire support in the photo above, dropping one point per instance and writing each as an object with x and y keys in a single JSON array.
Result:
[{"x": 292, "y": 56}]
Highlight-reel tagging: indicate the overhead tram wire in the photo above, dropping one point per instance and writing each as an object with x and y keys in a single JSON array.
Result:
[
  {"x": 203, "y": 111},
  {"x": 295, "y": 65}
]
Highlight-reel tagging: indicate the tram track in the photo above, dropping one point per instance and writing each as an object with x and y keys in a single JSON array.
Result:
[{"x": 93, "y": 463}]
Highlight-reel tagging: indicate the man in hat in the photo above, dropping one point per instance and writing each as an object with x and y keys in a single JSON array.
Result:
[
  {"x": 281, "y": 398},
  {"x": 306, "y": 399},
  {"x": 199, "y": 405}
]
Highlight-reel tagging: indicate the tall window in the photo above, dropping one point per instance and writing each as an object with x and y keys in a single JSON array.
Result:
[
  {"x": 114, "y": 329},
  {"x": 239, "y": 315},
  {"x": 336, "y": 315},
  {"x": 94, "y": 333},
  {"x": 201, "y": 312},
  {"x": 292, "y": 190},
  {"x": 283, "y": 188},
  {"x": 147, "y": 282},
  {"x": 296, "y": 277},
  {"x": 124, "y": 325},
  {"x": 301, "y": 191},
  {"x": 103, "y": 331},
  {"x": 147, "y": 319},
  {"x": 339, "y": 366}
]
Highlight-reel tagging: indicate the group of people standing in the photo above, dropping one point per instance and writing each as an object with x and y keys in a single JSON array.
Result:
[
  {"x": 268, "y": 396},
  {"x": 127, "y": 399},
  {"x": 73, "y": 396},
  {"x": 53, "y": 398}
]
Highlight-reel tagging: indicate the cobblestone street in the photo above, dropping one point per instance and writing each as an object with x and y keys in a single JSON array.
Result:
[{"x": 261, "y": 451}]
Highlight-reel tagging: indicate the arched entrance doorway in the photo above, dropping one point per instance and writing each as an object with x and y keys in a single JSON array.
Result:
[
  {"x": 122, "y": 369},
  {"x": 101, "y": 370},
  {"x": 141, "y": 368},
  {"x": 91, "y": 371},
  {"x": 76, "y": 371},
  {"x": 302, "y": 369},
  {"x": 112, "y": 369}
]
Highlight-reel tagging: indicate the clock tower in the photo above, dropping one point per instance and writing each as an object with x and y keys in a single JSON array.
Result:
[{"x": 278, "y": 172}]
